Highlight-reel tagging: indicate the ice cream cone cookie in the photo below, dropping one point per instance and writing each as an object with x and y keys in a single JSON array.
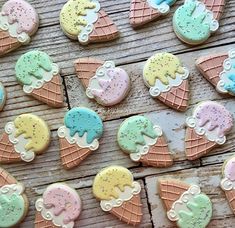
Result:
[
  {"x": 24, "y": 138},
  {"x": 3, "y": 96},
  {"x": 85, "y": 21},
  {"x": 59, "y": 206},
  {"x": 144, "y": 11},
  {"x": 40, "y": 78},
  {"x": 206, "y": 129},
  {"x": 79, "y": 136},
  {"x": 119, "y": 194},
  {"x": 219, "y": 70},
  {"x": 167, "y": 80},
  {"x": 13, "y": 202},
  {"x": 185, "y": 204},
  {"x": 144, "y": 142},
  {"x": 104, "y": 82},
  {"x": 195, "y": 21},
  {"x": 18, "y": 22},
  {"x": 228, "y": 181}
]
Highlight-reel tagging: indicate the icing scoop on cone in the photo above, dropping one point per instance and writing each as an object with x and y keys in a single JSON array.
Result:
[
  {"x": 18, "y": 22},
  {"x": 119, "y": 194},
  {"x": 144, "y": 142}
]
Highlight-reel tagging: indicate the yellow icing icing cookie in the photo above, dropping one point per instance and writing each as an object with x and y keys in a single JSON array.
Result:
[
  {"x": 162, "y": 66},
  {"x": 35, "y": 129},
  {"x": 109, "y": 181}
]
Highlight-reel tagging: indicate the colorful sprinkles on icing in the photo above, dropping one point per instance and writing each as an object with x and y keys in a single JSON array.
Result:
[{"x": 83, "y": 120}]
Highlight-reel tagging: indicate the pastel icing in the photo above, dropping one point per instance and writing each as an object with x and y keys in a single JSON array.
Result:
[
  {"x": 162, "y": 6},
  {"x": 83, "y": 120},
  {"x": 110, "y": 84},
  {"x": 192, "y": 209},
  {"x": 110, "y": 181},
  {"x": 12, "y": 205},
  {"x": 213, "y": 120},
  {"x": 2, "y": 96},
  {"x": 193, "y": 23},
  {"x": 229, "y": 169},
  {"x": 132, "y": 133},
  {"x": 34, "y": 129},
  {"x": 22, "y": 13}
]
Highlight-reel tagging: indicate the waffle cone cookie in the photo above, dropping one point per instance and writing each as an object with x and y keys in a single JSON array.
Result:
[
  {"x": 90, "y": 25},
  {"x": 167, "y": 80},
  {"x": 103, "y": 81},
  {"x": 185, "y": 204},
  {"x": 228, "y": 181},
  {"x": 60, "y": 206},
  {"x": 219, "y": 70},
  {"x": 24, "y": 138},
  {"x": 18, "y": 22},
  {"x": 79, "y": 136},
  {"x": 144, "y": 142},
  {"x": 195, "y": 21},
  {"x": 119, "y": 194},
  {"x": 40, "y": 78},
  {"x": 144, "y": 11},
  {"x": 206, "y": 129},
  {"x": 14, "y": 203}
]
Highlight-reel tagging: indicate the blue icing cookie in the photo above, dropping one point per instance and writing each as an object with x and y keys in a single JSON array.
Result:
[
  {"x": 168, "y": 2},
  {"x": 84, "y": 120},
  {"x": 230, "y": 87},
  {"x": 2, "y": 96}
]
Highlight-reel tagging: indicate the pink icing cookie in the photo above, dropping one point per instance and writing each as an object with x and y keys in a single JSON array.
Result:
[
  {"x": 22, "y": 13},
  {"x": 229, "y": 169}
]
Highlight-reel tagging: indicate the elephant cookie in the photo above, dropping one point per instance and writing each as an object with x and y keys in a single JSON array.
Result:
[
  {"x": 79, "y": 136},
  {"x": 40, "y": 78},
  {"x": 14, "y": 203},
  {"x": 60, "y": 206},
  {"x": 3, "y": 96},
  {"x": 195, "y": 21},
  {"x": 85, "y": 21},
  {"x": 144, "y": 142},
  {"x": 24, "y": 138},
  {"x": 207, "y": 128},
  {"x": 144, "y": 11},
  {"x": 18, "y": 22},
  {"x": 219, "y": 70},
  {"x": 185, "y": 204},
  {"x": 104, "y": 82},
  {"x": 168, "y": 80},
  {"x": 119, "y": 194}
]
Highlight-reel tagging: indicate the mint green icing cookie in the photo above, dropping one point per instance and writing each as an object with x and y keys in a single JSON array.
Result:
[
  {"x": 32, "y": 64},
  {"x": 12, "y": 209},
  {"x": 193, "y": 23},
  {"x": 131, "y": 133},
  {"x": 200, "y": 213}
]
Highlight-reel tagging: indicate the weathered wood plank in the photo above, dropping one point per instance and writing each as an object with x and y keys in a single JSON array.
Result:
[{"x": 209, "y": 184}]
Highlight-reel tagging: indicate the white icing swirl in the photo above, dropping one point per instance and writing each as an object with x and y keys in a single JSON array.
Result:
[
  {"x": 19, "y": 143},
  {"x": 12, "y": 189},
  {"x": 227, "y": 185},
  {"x": 126, "y": 195},
  {"x": 163, "y": 8},
  {"x": 64, "y": 132}
]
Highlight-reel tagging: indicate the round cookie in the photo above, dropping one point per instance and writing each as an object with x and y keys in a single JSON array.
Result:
[
  {"x": 25, "y": 137},
  {"x": 3, "y": 96}
]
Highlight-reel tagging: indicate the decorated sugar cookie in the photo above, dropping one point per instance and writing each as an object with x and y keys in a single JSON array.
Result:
[
  {"x": 144, "y": 11},
  {"x": 207, "y": 128},
  {"x": 13, "y": 202},
  {"x": 185, "y": 204},
  {"x": 167, "y": 80},
  {"x": 104, "y": 82},
  {"x": 24, "y": 138},
  {"x": 59, "y": 206},
  {"x": 18, "y": 22},
  {"x": 119, "y": 194},
  {"x": 228, "y": 181},
  {"x": 40, "y": 78},
  {"x": 195, "y": 21},
  {"x": 219, "y": 70},
  {"x": 79, "y": 136},
  {"x": 3, "y": 96},
  {"x": 144, "y": 142},
  {"x": 85, "y": 21}
]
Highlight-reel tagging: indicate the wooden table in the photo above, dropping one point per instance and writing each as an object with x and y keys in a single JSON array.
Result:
[{"x": 129, "y": 52}]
